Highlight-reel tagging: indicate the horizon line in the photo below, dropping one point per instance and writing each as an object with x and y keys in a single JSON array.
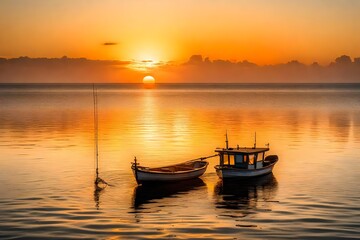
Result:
[{"x": 178, "y": 83}]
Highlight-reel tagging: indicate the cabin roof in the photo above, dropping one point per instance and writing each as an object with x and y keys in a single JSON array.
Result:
[{"x": 242, "y": 150}]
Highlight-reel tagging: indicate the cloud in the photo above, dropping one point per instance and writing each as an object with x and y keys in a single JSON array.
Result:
[
  {"x": 195, "y": 59},
  {"x": 110, "y": 44},
  {"x": 201, "y": 69},
  {"x": 197, "y": 69},
  {"x": 343, "y": 60}
]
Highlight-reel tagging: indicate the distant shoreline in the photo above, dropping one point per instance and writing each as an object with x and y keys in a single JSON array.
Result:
[
  {"x": 184, "y": 86},
  {"x": 196, "y": 70}
]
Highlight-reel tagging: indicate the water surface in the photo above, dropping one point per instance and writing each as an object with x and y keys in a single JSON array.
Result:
[{"x": 47, "y": 161}]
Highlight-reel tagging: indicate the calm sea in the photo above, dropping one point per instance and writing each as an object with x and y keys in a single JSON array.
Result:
[{"x": 47, "y": 161}]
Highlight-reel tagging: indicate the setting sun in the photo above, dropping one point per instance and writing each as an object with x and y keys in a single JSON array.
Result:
[{"x": 149, "y": 80}]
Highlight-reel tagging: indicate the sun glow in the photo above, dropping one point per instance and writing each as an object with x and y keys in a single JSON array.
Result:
[
  {"x": 148, "y": 80},
  {"x": 146, "y": 56},
  {"x": 145, "y": 65}
]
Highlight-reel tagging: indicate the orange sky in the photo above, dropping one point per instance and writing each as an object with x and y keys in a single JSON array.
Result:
[{"x": 261, "y": 31}]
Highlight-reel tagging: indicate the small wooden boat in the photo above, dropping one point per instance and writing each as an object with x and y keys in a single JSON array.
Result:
[
  {"x": 244, "y": 162},
  {"x": 177, "y": 172}
]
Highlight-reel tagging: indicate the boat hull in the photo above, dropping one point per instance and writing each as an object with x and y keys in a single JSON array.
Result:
[
  {"x": 152, "y": 176},
  {"x": 225, "y": 172}
]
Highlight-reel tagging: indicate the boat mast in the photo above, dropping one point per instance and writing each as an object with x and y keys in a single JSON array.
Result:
[
  {"x": 255, "y": 141},
  {"x": 227, "y": 147},
  {"x": 227, "y": 141}
]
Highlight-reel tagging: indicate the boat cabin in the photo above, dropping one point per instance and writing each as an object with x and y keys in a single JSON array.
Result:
[{"x": 243, "y": 158}]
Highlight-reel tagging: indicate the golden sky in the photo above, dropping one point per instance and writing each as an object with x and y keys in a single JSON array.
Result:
[{"x": 261, "y": 31}]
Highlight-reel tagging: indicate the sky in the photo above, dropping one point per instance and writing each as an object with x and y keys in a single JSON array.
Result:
[{"x": 264, "y": 32}]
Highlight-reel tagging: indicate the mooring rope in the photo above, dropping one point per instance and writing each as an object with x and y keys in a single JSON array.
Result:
[{"x": 203, "y": 158}]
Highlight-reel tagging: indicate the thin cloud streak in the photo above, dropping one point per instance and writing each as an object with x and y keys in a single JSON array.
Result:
[{"x": 110, "y": 44}]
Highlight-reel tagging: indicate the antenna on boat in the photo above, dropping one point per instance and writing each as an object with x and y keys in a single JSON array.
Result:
[
  {"x": 255, "y": 141},
  {"x": 96, "y": 138},
  {"x": 227, "y": 141}
]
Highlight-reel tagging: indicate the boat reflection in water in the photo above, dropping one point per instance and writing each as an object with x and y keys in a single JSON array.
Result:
[
  {"x": 247, "y": 196},
  {"x": 148, "y": 192}
]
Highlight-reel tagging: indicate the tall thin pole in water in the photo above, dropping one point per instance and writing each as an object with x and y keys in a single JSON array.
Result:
[
  {"x": 99, "y": 183},
  {"x": 96, "y": 133}
]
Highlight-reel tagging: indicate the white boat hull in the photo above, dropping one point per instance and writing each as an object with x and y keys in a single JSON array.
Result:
[
  {"x": 144, "y": 175},
  {"x": 225, "y": 172}
]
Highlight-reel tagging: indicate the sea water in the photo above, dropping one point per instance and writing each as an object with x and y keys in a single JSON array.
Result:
[{"x": 47, "y": 161}]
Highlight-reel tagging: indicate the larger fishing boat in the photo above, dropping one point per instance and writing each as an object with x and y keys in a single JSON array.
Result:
[{"x": 244, "y": 162}]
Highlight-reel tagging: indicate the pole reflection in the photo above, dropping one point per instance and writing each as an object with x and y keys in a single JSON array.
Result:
[{"x": 98, "y": 191}]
